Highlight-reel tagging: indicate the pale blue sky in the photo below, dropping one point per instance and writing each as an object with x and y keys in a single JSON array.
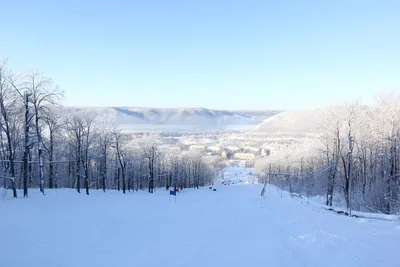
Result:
[{"x": 215, "y": 54}]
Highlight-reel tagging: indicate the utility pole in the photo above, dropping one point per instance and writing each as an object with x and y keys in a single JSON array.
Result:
[{"x": 351, "y": 139}]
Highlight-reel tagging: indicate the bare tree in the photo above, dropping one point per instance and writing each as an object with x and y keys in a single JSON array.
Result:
[
  {"x": 75, "y": 136},
  {"x": 120, "y": 155},
  {"x": 151, "y": 153},
  {"x": 374, "y": 181},
  {"x": 7, "y": 103},
  {"x": 89, "y": 136},
  {"x": 43, "y": 95},
  {"x": 69, "y": 148},
  {"x": 54, "y": 125},
  {"x": 105, "y": 140}
]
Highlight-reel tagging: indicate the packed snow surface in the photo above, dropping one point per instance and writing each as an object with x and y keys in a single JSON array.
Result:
[{"x": 233, "y": 226}]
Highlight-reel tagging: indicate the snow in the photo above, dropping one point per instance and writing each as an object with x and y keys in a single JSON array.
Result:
[
  {"x": 239, "y": 175},
  {"x": 338, "y": 205},
  {"x": 233, "y": 226}
]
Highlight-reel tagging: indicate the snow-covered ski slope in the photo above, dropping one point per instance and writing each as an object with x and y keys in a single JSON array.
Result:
[
  {"x": 238, "y": 175},
  {"x": 233, "y": 226}
]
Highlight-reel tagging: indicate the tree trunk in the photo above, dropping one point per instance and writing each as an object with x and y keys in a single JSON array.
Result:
[
  {"x": 26, "y": 168},
  {"x": 169, "y": 181},
  {"x": 51, "y": 158},
  {"x": 151, "y": 170},
  {"x": 118, "y": 178},
  {"x": 103, "y": 180},
  {"x": 30, "y": 171},
  {"x": 123, "y": 178},
  {"x": 87, "y": 176},
  {"x": 104, "y": 174},
  {"x": 12, "y": 168},
  {"x": 346, "y": 182},
  {"x": 41, "y": 167},
  {"x": 140, "y": 176},
  {"x": 26, "y": 148},
  {"x": 40, "y": 152},
  {"x": 133, "y": 181},
  {"x": 11, "y": 153},
  {"x": 78, "y": 168},
  {"x": 331, "y": 185}
]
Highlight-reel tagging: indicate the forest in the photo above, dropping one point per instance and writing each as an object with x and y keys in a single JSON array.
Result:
[
  {"x": 43, "y": 148},
  {"x": 355, "y": 158}
]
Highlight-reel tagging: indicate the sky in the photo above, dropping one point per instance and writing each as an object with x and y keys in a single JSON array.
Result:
[{"x": 213, "y": 54}]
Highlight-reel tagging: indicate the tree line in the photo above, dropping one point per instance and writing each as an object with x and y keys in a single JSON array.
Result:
[
  {"x": 42, "y": 146},
  {"x": 366, "y": 179}
]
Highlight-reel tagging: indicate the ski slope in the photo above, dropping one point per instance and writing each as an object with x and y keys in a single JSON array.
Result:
[
  {"x": 233, "y": 226},
  {"x": 239, "y": 175}
]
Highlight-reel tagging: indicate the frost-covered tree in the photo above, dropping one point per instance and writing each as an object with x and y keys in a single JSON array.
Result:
[
  {"x": 54, "y": 124},
  {"x": 374, "y": 182},
  {"x": 80, "y": 133},
  {"x": 151, "y": 153},
  {"x": 43, "y": 95},
  {"x": 121, "y": 157},
  {"x": 8, "y": 108}
]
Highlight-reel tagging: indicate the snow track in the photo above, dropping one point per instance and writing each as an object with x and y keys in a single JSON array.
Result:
[{"x": 231, "y": 227}]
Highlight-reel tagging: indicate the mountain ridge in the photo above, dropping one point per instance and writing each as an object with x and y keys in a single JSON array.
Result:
[{"x": 201, "y": 118}]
